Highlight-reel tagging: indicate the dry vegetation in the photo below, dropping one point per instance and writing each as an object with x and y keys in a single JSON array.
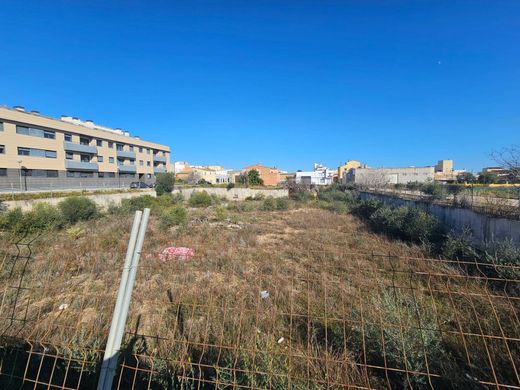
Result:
[{"x": 346, "y": 307}]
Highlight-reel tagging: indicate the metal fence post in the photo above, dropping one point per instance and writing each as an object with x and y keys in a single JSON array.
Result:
[{"x": 124, "y": 295}]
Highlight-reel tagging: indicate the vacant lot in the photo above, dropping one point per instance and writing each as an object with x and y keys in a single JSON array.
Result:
[{"x": 303, "y": 298}]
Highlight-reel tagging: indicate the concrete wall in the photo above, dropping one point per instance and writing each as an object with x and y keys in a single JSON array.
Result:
[
  {"x": 235, "y": 193},
  {"x": 104, "y": 200},
  {"x": 484, "y": 228}
]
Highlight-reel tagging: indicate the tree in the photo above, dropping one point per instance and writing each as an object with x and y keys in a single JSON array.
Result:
[
  {"x": 254, "y": 178},
  {"x": 164, "y": 183},
  {"x": 509, "y": 158},
  {"x": 487, "y": 178},
  {"x": 466, "y": 177}
]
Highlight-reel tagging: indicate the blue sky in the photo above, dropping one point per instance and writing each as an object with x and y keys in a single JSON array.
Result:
[{"x": 285, "y": 83}]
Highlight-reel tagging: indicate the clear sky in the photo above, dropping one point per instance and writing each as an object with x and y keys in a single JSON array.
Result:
[{"x": 285, "y": 83}]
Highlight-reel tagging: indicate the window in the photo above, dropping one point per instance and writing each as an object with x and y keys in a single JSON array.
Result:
[
  {"x": 49, "y": 134},
  {"x": 79, "y": 174},
  {"x": 111, "y": 160},
  {"x": 111, "y": 174},
  {"x": 99, "y": 142},
  {"x": 84, "y": 140},
  {"x": 2, "y": 129},
  {"x": 3, "y": 171},
  {"x": 85, "y": 158},
  {"x": 110, "y": 144},
  {"x": 101, "y": 174},
  {"x": 131, "y": 148},
  {"x": 36, "y": 152},
  {"x": 2, "y": 149},
  {"x": 24, "y": 130},
  {"x": 148, "y": 163},
  {"x": 141, "y": 162},
  {"x": 119, "y": 147},
  {"x": 100, "y": 158},
  {"x": 52, "y": 173},
  {"x": 140, "y": 149},
  {"x": 148, "y": 151},
  {"x": 69, "y": 155},
  {"x": 68, "y": 137},
  {"x": 24, "y": 151},
  {"x": 120, "y": 161},
  {"x": 127, "y": 175}
]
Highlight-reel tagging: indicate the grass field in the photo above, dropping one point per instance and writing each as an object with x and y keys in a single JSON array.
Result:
[{"x": 345, "y": 307}]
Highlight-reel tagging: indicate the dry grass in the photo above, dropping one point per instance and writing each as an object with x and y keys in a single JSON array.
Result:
[{"x": 346, "y": 307}]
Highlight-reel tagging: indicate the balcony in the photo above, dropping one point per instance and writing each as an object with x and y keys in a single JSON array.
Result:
[
  {"x": 72, "y": 147},
  {"x": 159, "y": 159},
  {"x": 127, "y": 168},
  {"x": 80, "y": 166},
  {"x": 159, "y": 170},
  {"x": 126, "y": 154}
]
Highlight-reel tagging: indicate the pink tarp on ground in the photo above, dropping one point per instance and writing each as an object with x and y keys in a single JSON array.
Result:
[{"x": 176, "y": 253}]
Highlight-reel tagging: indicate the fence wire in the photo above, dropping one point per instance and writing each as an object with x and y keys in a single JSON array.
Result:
[{"x": 355, "y": 320}]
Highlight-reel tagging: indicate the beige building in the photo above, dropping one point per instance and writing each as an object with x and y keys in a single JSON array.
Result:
[
  {"x": 343, "y": 169},
  {"x": 39, "y": 152}
]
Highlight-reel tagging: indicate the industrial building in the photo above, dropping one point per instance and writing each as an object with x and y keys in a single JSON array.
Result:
[{"x": 42, "y": 153}]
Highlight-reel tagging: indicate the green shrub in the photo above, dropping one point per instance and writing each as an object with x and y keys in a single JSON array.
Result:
[
  {"x": 368, "y": 207},
  {"x": 12, "y": 219},
  {"x": 282, "y": 203},
  {"x": 43, "y": 216},
  {"x": 200, "y": 199},
  {"x": 269, "y": 204},
  {"x": 419, "y": 336},
  {"x": 77, "y": 208},
  {"x": 504, "y": 253},
  {"x": 459, "y": 246},
  {"x": 138, "y": 203},
  {"x": 173, "y": 216},
  {"x": 302, "y": 196},
  {"x": 230, "y": 186},
  {"x": 242, "y": 206},
  {"x": 164, "y": 183},
  {"x": 221, "y": 213},
  {"x": 435, "y": 190}
]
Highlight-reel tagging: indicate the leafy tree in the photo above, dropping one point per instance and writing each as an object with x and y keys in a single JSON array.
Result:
[
  {"x": 466, "y": 177},
  {"x": 254, "y": 179},
  {"x": 487, "y": 178},
  {"x": 164, "y": 183}
]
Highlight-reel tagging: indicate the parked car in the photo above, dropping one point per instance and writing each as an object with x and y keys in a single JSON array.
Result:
[{"x": 138, "y": 184}]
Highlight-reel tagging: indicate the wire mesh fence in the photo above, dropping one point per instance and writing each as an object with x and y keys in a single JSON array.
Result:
[{"x": 308, "y": 320}]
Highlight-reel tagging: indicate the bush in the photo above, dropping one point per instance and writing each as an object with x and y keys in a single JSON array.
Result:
[
  {"x": 12, "y": 220},
  {"x": 200, "y": 199},
  {"x": 242, "y": 206},
  {"x": 269, "y": 204},
  {"x": 164, "y": 183},
  {"x": 174, "y": 216},
  {"x": 282, "y": 203},
  {"x": 435, "y": 190},
  {"x": 138, "y": 203},
  {"x": 421, "y": 336},
  {"x": 230, "y": 186},
  {"x": 504, "y": 253},
  {"x": 44, "y": 216},
  {"x": 221, "y": 213},
  {"x": 77, "y": 208},
  {"x": 459, "y": 246}
]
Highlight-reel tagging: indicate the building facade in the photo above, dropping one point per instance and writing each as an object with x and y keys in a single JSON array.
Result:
[
  {"x": 380, "y": 177},
  {"x": 270, "y": 176},
  {"x": 342, "y": 169},
  {"x": 43, "y": 153},
  {"x": 320, "y": 176}
]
